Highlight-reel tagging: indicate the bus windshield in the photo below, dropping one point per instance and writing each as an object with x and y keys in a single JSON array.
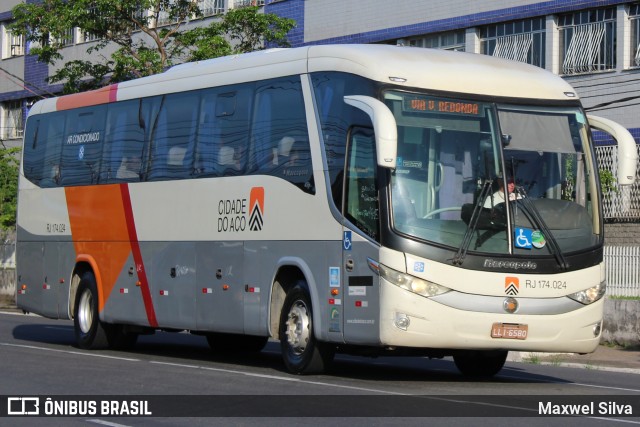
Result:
[{"x": 457, "y": 156}]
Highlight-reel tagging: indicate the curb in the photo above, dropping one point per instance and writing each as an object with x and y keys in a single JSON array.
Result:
[{"x": 595, "y": 365}]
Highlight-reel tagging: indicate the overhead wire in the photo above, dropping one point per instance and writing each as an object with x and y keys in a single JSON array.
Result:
[{"x": 23, "y": 83}]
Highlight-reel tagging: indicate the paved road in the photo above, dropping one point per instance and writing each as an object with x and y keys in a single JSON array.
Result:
[{"x": 38, "y": 357}]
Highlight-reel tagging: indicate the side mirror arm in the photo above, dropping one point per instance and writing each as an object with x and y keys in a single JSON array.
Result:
[
  {"x": 627, "y": 150},
  {"x": 384, "y": 127}
]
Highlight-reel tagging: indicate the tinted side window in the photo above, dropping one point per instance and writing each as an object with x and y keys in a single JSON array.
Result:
[
  {"x": 280, "y": 139},
  {"x": 174, "y": 136},
  {"x": 82, "y": 146},
  {"x": 33, "y": 151},
  {"x": 42, "y": 146},
  {"x": 124, "y": 142},
  {"x": 223, "y": 135},
  {"x": 336, "y": 117},
  {"x": 361, "y": 198}
]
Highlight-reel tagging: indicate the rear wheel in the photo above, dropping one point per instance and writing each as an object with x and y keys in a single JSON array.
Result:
[
  {"x": 301, "y": 352},
  {"x": 475, "y": 363},
  {"x": 90, "y": 333},
  {"x": 235, "y": 343}
]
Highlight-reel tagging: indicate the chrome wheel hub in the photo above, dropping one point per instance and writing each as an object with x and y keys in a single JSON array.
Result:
[
  {"x": 298, "y": 327},
  {"x": 85, "y": 312}
]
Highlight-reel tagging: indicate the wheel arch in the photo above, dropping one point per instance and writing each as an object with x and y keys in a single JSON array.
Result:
[{"x": 290, "y": 271}]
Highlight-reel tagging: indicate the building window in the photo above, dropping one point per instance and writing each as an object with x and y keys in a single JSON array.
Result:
[
  {"x": 522, "y": 41},
  {"x": 13, "y": 44},
  {"x": 453, "y": 40},
  {"x": 246, "y": 3},
  {"x": 12, "y": 123},
  {"x": 211, "y": 7},
  {"x": 634, "y": 20},
  {"x": 68, "y": 38},
  {"x": 163, "y": 18},
  {"x": 16, "y": 44},
  {"x": 588, "y": 41},
  {"x": 88, "y": 36}
]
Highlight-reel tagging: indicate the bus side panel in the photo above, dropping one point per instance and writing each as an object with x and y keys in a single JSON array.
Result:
[
  {"x": 219, "y": 287},
  {"x": 53, "y": 289},
  {"x": 29, "y": 259},
  {"x": 171, "y": 270},
  {"x": 260, "y": 258},
  {"x": 125, "y": 303}
]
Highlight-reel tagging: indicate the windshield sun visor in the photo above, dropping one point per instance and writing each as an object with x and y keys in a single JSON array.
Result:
[{"x": 536, "y": 132}]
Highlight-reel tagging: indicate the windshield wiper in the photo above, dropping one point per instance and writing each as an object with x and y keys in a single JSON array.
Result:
[
  {"x": 485, "y": 191},
  {"x": 534, "y": 216}
]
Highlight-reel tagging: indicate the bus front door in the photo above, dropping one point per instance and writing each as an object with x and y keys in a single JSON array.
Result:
[{"x": 360, "y": 234}]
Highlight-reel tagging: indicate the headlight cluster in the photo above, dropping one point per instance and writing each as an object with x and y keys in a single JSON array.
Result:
[
  {"x": 590, "y": 295},
  {"x": 411, "y": 283}
]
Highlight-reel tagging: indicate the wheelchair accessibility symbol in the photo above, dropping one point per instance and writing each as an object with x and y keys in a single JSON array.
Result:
[
  {"x": 523, "y": 238},
  {"x": 346, "y": 241}
]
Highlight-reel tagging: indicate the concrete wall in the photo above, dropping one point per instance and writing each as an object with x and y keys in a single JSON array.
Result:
[
  {"x": 8, "y": 281},
  {"x": 621, "y": 322},
  {"x": 7, "y": 264}
]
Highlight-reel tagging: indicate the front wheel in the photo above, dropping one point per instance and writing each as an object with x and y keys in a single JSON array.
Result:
[
  {"x": 90, "y": 333},
  {"x": 301, "y": 352},
  {"x": 478, "y": 364}
]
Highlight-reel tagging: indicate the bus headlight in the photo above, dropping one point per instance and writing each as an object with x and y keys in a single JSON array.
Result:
[
  {"x": 590, "y": 295},
  {"x": 411, "y": 283}
]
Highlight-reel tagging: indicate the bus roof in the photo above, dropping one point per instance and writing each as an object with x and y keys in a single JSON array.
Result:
[{"x": 432, "y": 69}]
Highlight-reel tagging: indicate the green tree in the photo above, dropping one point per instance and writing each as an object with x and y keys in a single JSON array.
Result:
[
  {"x": 8, "y": 186},
  {"x": 129, "y": 44}
]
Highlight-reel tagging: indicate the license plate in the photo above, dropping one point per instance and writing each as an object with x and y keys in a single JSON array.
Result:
[{"x": 509, "y": 331}]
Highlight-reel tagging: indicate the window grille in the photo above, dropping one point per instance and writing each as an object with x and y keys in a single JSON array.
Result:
[
  {"x": 588, "y": 41},
  {"x": 622, "y": 202},
  {"x": 584, "y": 49},
  {"x": 454, "y": 40},
  {"x": 16, "y": 44},
  {"x": 515, "y": 48},
  {"x": 68, "y": 38},
  {"x": 163, "y": 19},
  {"x": 246, "y": 3},
  {"x": 522, "y": 41},
  {"x": 622, "y": 270},
  {"x": 211, "y": 7}
]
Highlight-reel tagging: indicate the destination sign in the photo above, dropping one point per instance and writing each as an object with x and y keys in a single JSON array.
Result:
[{"x": 439, "y": 105}]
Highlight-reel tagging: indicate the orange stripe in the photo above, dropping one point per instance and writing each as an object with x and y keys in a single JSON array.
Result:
[
  {"x": 99, "y": 230},
  {"x": 95, "y": 97}
]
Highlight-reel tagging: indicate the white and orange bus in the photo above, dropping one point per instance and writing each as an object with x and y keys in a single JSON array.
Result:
[{"x": 336, "y": 198}]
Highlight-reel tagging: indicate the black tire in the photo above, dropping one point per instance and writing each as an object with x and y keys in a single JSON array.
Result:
[
  {"x": 90, "y": 332},
  {"x": 235, "y": 343},
  {"x": 301, "y": 352},
  {"x": 480, "y": 364}
]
